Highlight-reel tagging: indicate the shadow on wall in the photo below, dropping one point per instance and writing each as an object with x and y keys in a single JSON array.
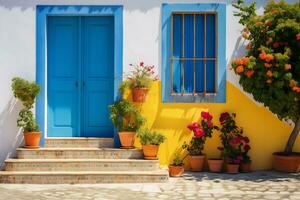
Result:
[{"x": 11, "y": 136}]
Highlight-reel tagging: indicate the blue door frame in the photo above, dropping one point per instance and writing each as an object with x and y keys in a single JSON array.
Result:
[{"x": 42, "y": 12}]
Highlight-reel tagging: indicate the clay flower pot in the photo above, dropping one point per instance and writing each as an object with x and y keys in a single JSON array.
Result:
[
  {"x": 286, "y": 163},
  {"x": 32, "y": 139},
  {"x": 215, "y": 165},
  {"x": 176, "y": 171},
  {"x": 232, "y": 168},
  {"x": 245, "y": 167},
  {"x": 150, "y": 152},
  {"x": 197, "y": 162},
  {"x": 139, "y": 94},
  {"x": 127, "y": 139}
]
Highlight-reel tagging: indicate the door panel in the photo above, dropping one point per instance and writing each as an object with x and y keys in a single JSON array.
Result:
[
  {"x": 63, "y": 94},
  {"x": 80, "y": 76},
  {"x": 97, "y": 75}
]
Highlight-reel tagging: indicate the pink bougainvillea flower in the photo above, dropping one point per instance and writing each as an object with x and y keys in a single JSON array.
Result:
[
  {"x": 223, "y": 117},
  {"x": 141, "y": 64},
  {"x": 198, "y": 132},
  {"x": 206, "y": 115}
]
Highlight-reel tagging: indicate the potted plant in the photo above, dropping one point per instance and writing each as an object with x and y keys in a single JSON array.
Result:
[
  {"x": 216, "y": 164},
  {"x": 231, "y": 137},
  {"x": 139, "y": 81},
  {"x": 270, "y": 70},
  {"x": 127, "y": 119},
  {"x": 176, "y": 169},
  {"x": 150, "y": 141},
  {"x": 196, "y": 145},
  {"x": 245, "y": 165},
  {"x": 27, "y": 92}
]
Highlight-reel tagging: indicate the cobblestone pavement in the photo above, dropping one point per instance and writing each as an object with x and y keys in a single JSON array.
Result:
[{"x": 206, "y": 186}]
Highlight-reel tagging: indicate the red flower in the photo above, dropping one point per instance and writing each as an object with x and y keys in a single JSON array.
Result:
[
  {"x": 269, "y": 73},
  {"x": 193, "y": 126},
  {"x": 268, "y": 23},
  {"x": 246, "y": 139},
  {"x": 198, "y": 132},
  {"x": 224, "y": 116},
  {"x": 269, "y": 81},
  {"x": 206, "y": 115},
  {"x": 239, "y": 69},
  {"x": 247, "y": 147},
  {"x": 269, "y": 57},
  {"x": 141, "y": 64},
  {"x": 209, "y": 124},
  {"x": 276, "y": 44},
  {"x": 249, "y": 73},
  {"x": 262, "y": 55},
  {"x": 298, "y": 36},
  {"x": 267, "y": 65}
]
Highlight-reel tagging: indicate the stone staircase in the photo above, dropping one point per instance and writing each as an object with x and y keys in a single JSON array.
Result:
[{"x": 81, "y": 160}]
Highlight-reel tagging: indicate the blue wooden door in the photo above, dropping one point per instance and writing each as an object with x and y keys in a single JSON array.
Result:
[{"x": 80, "y": 76}]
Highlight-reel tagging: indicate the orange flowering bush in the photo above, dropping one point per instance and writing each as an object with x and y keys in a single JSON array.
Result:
[{"x": 271, "y": 69}]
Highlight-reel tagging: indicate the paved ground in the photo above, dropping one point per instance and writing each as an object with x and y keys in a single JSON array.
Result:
[{"x": 258, "y": 185}]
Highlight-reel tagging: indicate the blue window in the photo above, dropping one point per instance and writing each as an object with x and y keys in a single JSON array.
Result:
[{"x": 193, "y": 38}]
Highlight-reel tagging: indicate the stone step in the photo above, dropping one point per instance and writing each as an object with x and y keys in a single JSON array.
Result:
[
  {"x": 79, "y": 153},
  {"x": 77, "y": 142},
  {"x": 86, "y": 177},
  {"x": 81, "y": 165}
]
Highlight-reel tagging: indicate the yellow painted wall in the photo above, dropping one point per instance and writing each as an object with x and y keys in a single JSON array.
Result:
[{"x": 267, "y": 134}]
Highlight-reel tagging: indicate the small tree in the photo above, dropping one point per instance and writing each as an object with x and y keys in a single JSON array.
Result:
[
  {"x": 26, "y": 92},
  {"x": 271, "y": 69}
]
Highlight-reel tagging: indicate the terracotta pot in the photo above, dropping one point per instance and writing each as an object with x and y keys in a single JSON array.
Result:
[
  {"x": 32, "y": 139},
  {"x": 245, "y": 167},
  {"x": 197, "y": 162},
  {"x": 127, "y": 139},
  {"x": 232, "y": 168},
  {"x": 176, "y": 171},
  {"x": 139, "y": 94},
  {"x": 215, "y": 165},
  {"x": 286, "y": 163},
  {"x": 150, "y": 151}
]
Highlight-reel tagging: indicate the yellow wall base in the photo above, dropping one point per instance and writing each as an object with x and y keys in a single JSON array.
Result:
[{"x": 266, "y": 132}]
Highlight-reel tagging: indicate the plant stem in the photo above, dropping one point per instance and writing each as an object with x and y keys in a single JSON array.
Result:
[{"x": 292, "y": 138}]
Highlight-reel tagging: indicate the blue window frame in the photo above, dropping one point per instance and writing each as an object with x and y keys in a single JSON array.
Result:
[{"x": 193, "y": 53}]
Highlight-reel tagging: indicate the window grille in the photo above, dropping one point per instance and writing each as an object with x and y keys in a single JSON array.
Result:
[{"x": 194, "y": 53}]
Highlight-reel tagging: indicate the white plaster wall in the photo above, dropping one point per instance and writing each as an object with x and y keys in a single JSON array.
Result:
[{"x": 142, "y": 42}]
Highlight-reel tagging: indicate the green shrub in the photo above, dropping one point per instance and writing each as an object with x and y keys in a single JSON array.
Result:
[
  {"x": 148, "y": 137},
  {"x": 177, "y": 161},
  {"x": 125, "y": 116},
  {"x": 26, "y": 92}
]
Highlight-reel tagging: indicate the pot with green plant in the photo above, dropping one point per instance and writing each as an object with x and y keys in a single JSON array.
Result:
[
  {"x": 127, "y": 119},
  {"x": 176, "y": 169},
  {"x": 245, "y": 165},
  {"x": 150, "y": 141},
  {"x": 139, "y": 81},
  {"x": 201, "y": 131},
  {"x": 27, "y": 92},
  {"x": 270, "y": 69}
]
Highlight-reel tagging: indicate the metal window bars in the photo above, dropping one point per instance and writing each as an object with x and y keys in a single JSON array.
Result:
[{"x": 194, "y": 58}]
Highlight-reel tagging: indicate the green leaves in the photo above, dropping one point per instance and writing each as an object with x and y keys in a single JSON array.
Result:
[
  {"x": 125, "y": 116},
  {"x": 26, "y": 92},
  {"x": 148, "y": 137}
]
